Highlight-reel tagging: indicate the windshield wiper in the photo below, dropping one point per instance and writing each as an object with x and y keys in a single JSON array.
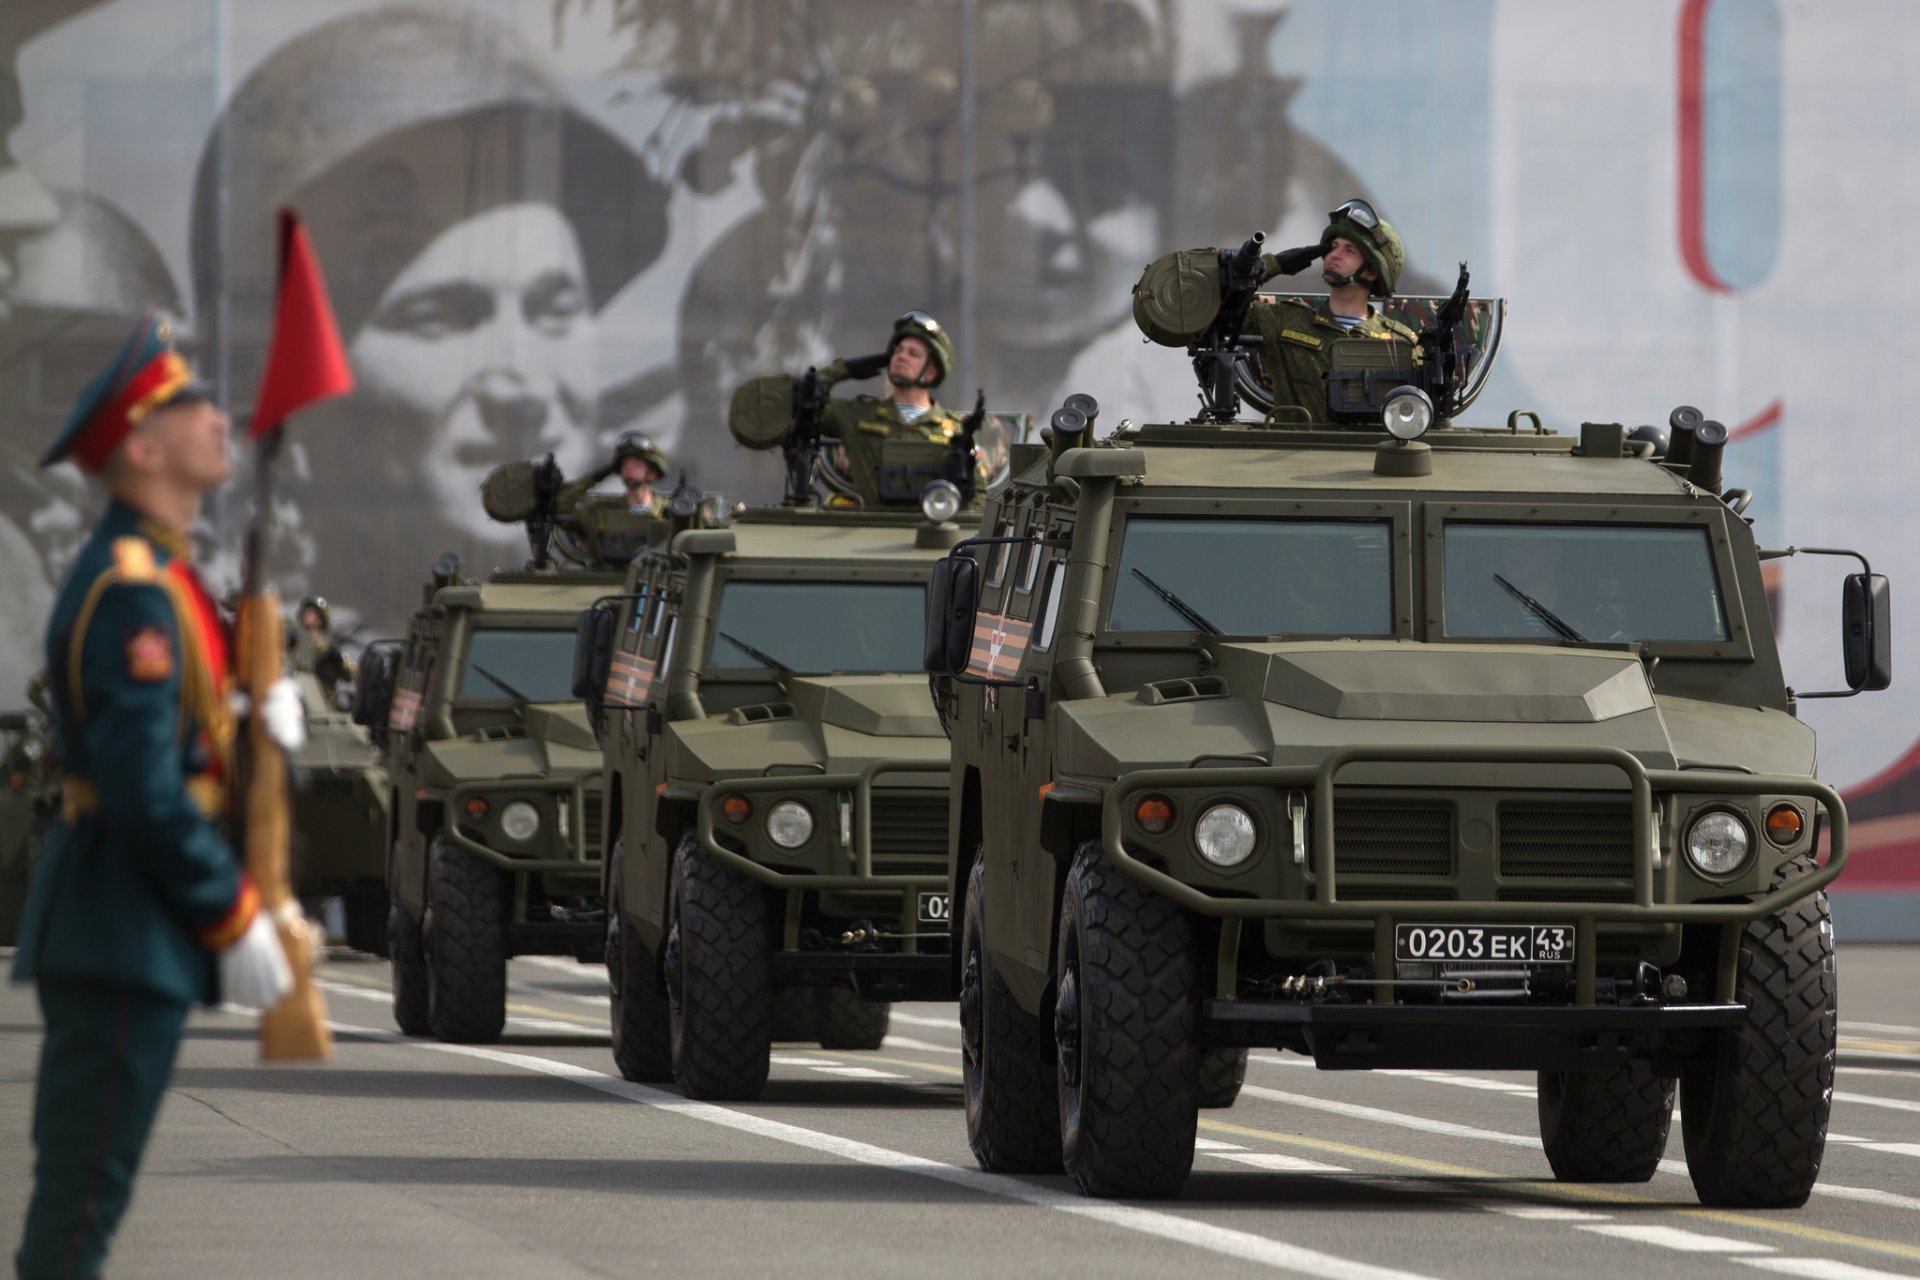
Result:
[
  {"x": 1540, "y": 611},
  {"x": 763, "y": 659},
  {"x": 510, "y": 691},
  {"x": 1194, "y": 618}
]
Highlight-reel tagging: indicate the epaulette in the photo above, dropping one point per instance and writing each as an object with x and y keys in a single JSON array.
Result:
[
  {"x": 1401, "y": 329},
  {"x": 133, "y": 560}
]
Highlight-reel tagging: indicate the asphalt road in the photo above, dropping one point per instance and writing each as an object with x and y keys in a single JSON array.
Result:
[{"x": 531, "y": 1158}]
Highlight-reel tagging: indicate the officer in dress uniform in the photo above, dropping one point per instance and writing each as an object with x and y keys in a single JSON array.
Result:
[
  {"x": 1361, "y": 258},
  {"x": 139, "y": 906},
  {"x": 918, "y": 357}
]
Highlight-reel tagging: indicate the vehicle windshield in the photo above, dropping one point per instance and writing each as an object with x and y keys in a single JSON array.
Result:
[
  {"x": 1602, "y": 583},
  {"x": 1255, "y": 577},
  {"x": 518, "y": 663},
  {"x": 820, "y": 626}
]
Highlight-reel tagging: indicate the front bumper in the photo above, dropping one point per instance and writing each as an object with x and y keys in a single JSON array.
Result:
[{"x": 580, "y": 799}]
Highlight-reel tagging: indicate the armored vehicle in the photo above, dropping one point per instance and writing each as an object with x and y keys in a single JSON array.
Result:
[
  {"x": 29, "y": 798},
  {"x": 494, "y": 808},
  {"x": 340, "y": 801},
  {"x": 1467, "y": 751}
]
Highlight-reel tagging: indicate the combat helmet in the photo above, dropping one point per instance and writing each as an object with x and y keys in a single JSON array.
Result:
[
  {"x": 320, "y": 604},
  {"x": 918, "y": 324},
  {"x": 1376, "y": 239},
  {"x": 638, "y": 444}
]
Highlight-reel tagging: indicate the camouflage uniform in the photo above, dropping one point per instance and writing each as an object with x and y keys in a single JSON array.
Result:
[
  {"x": 863, "y": 424},
  {"x": 1295, "y": 343}
]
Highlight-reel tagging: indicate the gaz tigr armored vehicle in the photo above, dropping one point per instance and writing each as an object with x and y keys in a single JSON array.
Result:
[
  {"x": 1436, "y": 746},
  {"x": 340, "y": 800},
  {"x": 494, "y": 829}
]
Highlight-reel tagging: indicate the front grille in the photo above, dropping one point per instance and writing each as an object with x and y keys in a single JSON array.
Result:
[
  {"x": 1389, "y": 893},
  {"x": 1588, "y": 840},
  {"x": 909, "y": 827},
  {"x": 1392, "y": 838},
  {"x": 1566, "y": 895},
  {"x": 590, "y": 823}
]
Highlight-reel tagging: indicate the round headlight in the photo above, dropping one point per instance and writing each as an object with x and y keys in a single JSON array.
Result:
[
  {"x": 1718, "y": 843},
  {"x": 789, "y": 824},
  {"x": 1225, "y": 835},
  {"x": 519, "y": 821},
  {"x": 1407, "y": 413},
  {"x": 940, "y": 501}
]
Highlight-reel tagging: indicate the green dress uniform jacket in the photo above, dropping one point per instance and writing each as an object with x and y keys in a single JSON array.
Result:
[
  {"x": 1295, "y": 346},
  {"x": 137, "y": 886}
]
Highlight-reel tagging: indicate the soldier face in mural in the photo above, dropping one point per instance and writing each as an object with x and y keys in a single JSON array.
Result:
[{"x": 486, "y": 341}]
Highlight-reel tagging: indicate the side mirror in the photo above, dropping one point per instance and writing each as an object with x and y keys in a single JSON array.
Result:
[
  {"x": 373, "y": 687},
  {"x": 1866, "y": 631},
  {"x": 592, "y": 652},
  {"x": 953, "y": 595}
]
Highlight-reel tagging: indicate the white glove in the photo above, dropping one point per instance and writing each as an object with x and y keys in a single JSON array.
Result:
[
  {"x": 284, "y": 713},
  {"x": 254, "y": 973}
]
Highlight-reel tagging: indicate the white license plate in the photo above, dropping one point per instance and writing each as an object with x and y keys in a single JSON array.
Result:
[
  {"x": 935, "y": 907},
  {"x": 1494, "y": 943}
]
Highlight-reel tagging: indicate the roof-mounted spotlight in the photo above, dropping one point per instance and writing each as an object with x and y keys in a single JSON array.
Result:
[
  {"x": 940, "y": 501},
  {"x": 1407, "y": 413}
]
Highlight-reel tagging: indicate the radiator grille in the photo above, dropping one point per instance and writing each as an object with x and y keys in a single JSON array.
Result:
[
  {"x": 909, "y": 830},
  {"x": 590, "y": 823},
  {"x": 1587, "y": 840},
  {"x": 1392, "y": 838}
]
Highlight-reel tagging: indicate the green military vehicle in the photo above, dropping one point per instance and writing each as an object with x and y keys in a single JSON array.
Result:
[
  {"x": 29, "y": 799},
  {"x": 340, "y": 800},
  {"x": 495, "y": 803},
  {"x": 776, "y": 775},
  {"x": 1411, "y": 748}
]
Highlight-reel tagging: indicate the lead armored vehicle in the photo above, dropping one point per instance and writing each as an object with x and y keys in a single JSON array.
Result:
[
  {"x": 776, "y": 776},
  {"x": 495, "y": 808},
  {"x": 1430, "y": 746}
]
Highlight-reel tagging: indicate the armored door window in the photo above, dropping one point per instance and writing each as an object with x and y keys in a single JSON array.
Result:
[
  {"x": 636, "y": 618},
  {"x": 997, "y": 572},
  {"x": 630, "y": 674},
  {"x": 1239, "y": 577},
  {"x": 1049, "y": 607},
  {"x": 1599, "y": 583}
]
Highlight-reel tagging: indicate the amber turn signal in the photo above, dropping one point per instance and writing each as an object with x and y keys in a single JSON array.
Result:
[
  {"x": 476, "y": 806},
  {"x": 735, "y": 809},
  {"x": 1154, "y": 814},
  {"x": 1784, "y": 824}
]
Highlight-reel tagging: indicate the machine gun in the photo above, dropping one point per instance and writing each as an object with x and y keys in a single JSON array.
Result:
[
  {"x": 541, "y": 521},
  {"x": 1445, "y": 352},
  {"x": 802, "y": 442},
  {"x": 963, "y": 464},
  {"x": 1215, "y": 353}
]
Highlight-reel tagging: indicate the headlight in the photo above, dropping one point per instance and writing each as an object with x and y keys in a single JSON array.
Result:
[
  {"x": 1718, "y": 843},
  {"x": 519, "y": 821},
  {"x": 1407, "y": 413},
  {"x": 1225, "y": 835},
  {"x": 940, "y": 501},
  {"x": 789, "y": 824}
]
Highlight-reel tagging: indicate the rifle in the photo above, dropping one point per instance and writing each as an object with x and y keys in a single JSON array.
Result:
[
  {"x": 802, "y": 444},
  {"x": 305, "y": 363},
  {"x": 962, "y": 464},
  {"x": 1444, "y": 349}
]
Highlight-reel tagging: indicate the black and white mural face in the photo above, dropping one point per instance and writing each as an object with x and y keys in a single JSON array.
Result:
[{"x": 544, "y": 222}]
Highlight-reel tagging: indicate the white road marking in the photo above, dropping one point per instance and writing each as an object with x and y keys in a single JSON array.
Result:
[
  {"x": 1678, "y": 1238},
  {"x": 1274, "y": 1163},
  {"x": 1820, "y": 1268},
  {"x": 925, "y": 1046},
  {"x": 1214, "y": 1144},
  {"x": 1548, "y": 1213},
  {"x": 352, "y": 992},
  {"x": 1878, "y": 1029},
  {"x": 1225, "y": 1241},
  {"x": 795, "y": 1060},
  {"x": 564, "y": 964},
  {"x": 919, "y": 1020},
  {"x": 1874, "y": 1100},
  {"x": 552, "y": 1024},
  {"x": 1893, "y": 1148},
  {"x": 1467, "y": 1082},
  {"x": 861, "y": 1073}
]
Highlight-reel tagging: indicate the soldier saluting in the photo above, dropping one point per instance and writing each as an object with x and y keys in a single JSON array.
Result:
[
  {"x": 139, "y": 906},
  {"x": 918, "y": 357}
]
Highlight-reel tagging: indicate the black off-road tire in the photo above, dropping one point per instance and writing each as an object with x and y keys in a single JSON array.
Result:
[
  {"x": 796, "y": 1017},
  {"x": 365, "y": 910},
  {"x": 1754, "y": 1111},
  {"x": 466, "y": 937},
  {"x": 1222, "y": 1072},
  {"x": 847, "y": 1022},
  {"x": 409, "y": 966},
  {"x": 719, "y": 978},
  {"x": 636, "y": 992},
  {"x": 1006, "y": 1057},
  {"x": 1605, "y": 1126},
  {"x": 1125, "y": 1020}
]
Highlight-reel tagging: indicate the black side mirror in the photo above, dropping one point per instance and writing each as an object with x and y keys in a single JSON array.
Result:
[
  {"x": 953, "y": 596},
  {"x": 592, "y": 652},
  {"x": 373, "y": 687},
  {"x": 1866, "y": 631}
]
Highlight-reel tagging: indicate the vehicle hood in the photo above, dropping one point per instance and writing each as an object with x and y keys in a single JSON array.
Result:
[
  {"x": 838, "y": 723},
  {"x": 334, "y": 745},
  {"x": 1294, "y": 703},
  {"x": 550, "y": 739}
]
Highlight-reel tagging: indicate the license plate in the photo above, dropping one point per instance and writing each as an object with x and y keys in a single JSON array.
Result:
[
  {"x": 1495, "y": 943},
  {"x": 935, "y": 907}
]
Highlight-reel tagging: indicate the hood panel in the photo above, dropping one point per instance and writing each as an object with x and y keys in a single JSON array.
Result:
[
  {"x": 895, "y": 706},
  {"x": 563, "y": 724},
  {"x": 1486, "y": 684}
]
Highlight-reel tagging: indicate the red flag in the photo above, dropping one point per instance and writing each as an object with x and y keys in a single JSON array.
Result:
[{"x": 306, "y": 362}]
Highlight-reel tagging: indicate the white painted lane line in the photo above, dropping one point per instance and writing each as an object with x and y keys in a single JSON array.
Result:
[
  {"x": 1273, "y": 1163},
  {"x": 1225, "y": 1241},
  {"x": 1893, "y": 1148},
  {"x": 1214, "y": 1144},
  {"x": 1878, "y": 1029},
  {"x": 862, "y": 1073},
  {"x": 557, "y": 993},
  {"x": 1467, "y": 1082},
  {"x": 925, "y": 1046},
  {"x": 1820, "y": 1269},
  {"x": 552, "y": 1024},
  {"x": 1875, "y": 1100},
  {"x": 1548, "y": 1213},
  {"x": 1445, "y": 1128},
  {"x": 352, "y": 992},
  {"x": 918, "y": 1020},
  {"x": 795, "y": 1060},
  {"x": 1678, "y": 1238}
]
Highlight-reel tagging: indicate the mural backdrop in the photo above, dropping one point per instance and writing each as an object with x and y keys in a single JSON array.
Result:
[{"x": 548, "y": 221}]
